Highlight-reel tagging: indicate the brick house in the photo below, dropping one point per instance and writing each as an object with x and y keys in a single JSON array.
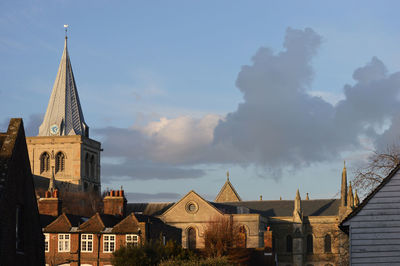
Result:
[
  {"x": 21, "y": 239},
  {"x": 71, "y": 239}
]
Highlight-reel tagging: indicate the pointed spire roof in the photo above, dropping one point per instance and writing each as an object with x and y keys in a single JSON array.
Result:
[
  {"x": 343, "y": 190},
  {"x": 64, "y": 113},
  {"x": 350, "y": 197},
  {"x": 297, "y": 210},
  {"x": 227, "y": 192},
  {"x": 356, "y": 199}
]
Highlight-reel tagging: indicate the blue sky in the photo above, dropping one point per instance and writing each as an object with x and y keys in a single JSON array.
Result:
[{"x": 160, "y": 75}]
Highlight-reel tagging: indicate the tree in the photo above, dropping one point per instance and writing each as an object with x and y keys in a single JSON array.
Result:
[
  {"x": 379, "y": 165},
  {"x": 224, "y": 237}
]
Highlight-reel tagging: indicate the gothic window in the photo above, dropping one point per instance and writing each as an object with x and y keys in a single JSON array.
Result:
[
  {"x": 191, "y": 235},
  {"x": 92, "y": 167},
  {"x": 327, "y": 244},
  {"x": 87, "y": 165},
  {"x": 242, "y": 237},
  {"x": 60, "y": 162},
  {"x": 289, "y": 243},
  {"x": 310, "y": 244},
  {"x": 44, "y": 162}
]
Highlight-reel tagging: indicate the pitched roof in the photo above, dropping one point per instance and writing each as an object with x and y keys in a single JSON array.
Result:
[
  {"x": 271, "y": 208},
  {"x": 369, "y": 197},
  {"x": 129, "y": 224},
  {"x": 64, "y": 108},
  {"x": 148, "y": 208},
  {"x": 227, "y": 193},
  {"x": 60, "y": 224}
]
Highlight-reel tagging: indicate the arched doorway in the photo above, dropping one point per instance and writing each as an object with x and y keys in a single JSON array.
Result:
[{"x": 191, "y": 238}]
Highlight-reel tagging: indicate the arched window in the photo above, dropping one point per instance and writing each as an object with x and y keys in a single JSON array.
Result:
[
  {"x": 60, "y": 162},
  {"x": 44, "y": 162},
  {"x": 242, "y": 237},
  {"x": 87, "y": 165},
  {"x": 92, "y": 167},
  {"x": 289, "y": 243},
  {"x": 327, "y": 244},
  {"x": 191, "y": 235},
  {"x": 310, "y": 245}
]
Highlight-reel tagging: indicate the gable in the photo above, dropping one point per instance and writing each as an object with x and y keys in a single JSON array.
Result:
[
  {"x": 94, "y": 224},
  {"x": 128, "y": 225},
  {"x": 191, "y": 208},
  {"x": 227, "y": 193},
  {"x": 61, "y": 224}
]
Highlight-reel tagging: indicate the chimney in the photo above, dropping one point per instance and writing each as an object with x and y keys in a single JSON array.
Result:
[
  {"x": 50, "y": 204},
  {"x": 115, "y": 203}
]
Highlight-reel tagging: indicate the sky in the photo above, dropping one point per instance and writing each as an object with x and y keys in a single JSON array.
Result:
[{"x": 278, "y": 93}]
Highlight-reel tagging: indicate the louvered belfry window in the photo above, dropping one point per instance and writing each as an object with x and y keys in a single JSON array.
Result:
[
  {"x": 60, "y": 162},
  {"x": 44, "y": 162}
]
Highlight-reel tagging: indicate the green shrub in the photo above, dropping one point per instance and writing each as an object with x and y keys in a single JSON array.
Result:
[{"x": 150, "y": 253}]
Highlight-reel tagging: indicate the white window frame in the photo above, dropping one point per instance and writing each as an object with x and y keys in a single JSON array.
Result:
[
  {"x": 109, "y": 243},
  {"x": 46, "y": 242},
  {"x": 132, "y": 239},
  {"x": 87, "y": 242},
  {"x": 64, "y": 242}
]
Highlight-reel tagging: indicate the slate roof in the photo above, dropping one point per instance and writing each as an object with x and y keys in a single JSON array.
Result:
[
  {"x": 64, "y": 108},
  {"x": 148, "y": 208},
  {"x": 270, "y": 208}
]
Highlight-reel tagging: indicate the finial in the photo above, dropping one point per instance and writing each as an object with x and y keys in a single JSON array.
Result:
[
  {"x": 260, "y": 197},
  {"x": 227, "y": 175},
  {"x": 344, "y": 164},
  {"x": 280, "y": 198},
  {"x": 66, "y": 29},
  {"x": 307, "y": 198}
]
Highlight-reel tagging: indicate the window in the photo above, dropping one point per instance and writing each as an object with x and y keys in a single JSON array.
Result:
[
  {"x": 310, "y": 245},
  {"x": 242, "y": 243},
  {"x": 63, "y": 242},
  {"x": 46, "y": 242},
  {"x": 44, "y": 162},
  {"x": 289, "y": 243},
  {"x": 86, "y": 242},
  {"x": 60, "y": 162},
  {"x": 327, "y": 244},
  {"x": 108, "y": 243},
  {"x": 191, "y": 233},
  {"x": 132, "y": 240}
]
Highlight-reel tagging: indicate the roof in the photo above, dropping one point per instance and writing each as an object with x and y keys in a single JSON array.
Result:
[
  {"x": 148, "y": 208},
  {"x": 271, "y": 208},
  {"x": 64, "y": 108},
  {"x": 369, "y": 197},
  {"x": 227, "y": 193}
]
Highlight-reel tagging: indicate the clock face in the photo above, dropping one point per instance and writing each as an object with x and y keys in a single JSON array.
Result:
[{"x": 54, "y": 129}]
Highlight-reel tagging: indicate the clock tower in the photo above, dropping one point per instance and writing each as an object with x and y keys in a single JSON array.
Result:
[{"x": 63, "y": 148}]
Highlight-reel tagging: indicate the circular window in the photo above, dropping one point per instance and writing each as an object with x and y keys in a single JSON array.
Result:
[{"x": 191, "y": 207}]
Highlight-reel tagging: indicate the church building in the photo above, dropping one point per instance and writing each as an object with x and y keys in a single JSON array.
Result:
[{"x": 63, "y": 149}]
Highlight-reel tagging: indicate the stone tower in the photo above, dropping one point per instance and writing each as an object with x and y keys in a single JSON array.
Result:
[{"x": 63, "y": 143}]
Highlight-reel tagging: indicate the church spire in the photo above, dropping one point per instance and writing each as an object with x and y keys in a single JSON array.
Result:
[
  {"x": 64, "y": 113},
  {"x": 343, "y": 191},
  {"x": 298, "y": 210},
  {"x": 350, "y": 197},
  {"x": 356, "y": 199}
]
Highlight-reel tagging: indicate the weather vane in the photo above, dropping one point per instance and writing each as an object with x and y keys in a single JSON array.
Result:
[{"x": 66, "y": 28}]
